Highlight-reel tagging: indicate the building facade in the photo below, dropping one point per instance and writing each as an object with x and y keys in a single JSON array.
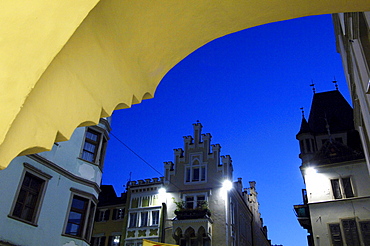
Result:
[
  {"x": 50, "y": 198},
  {"x": 205, "y": 212},
  {"x": 337, "y": 195},
  {"x": 190, "y": 205},
  {"x": 109, "y": 218},
  {"x": 352, "y": 31},
  {"x": 145, "y": 210}
]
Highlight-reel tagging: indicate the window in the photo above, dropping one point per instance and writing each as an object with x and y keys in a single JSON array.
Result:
[
  {"x": 195, "y": 201},
  {"x": 94, "y": 146},
  {"x": 133, "y": 218},
  {"x": 79, "y": 220},
  {"x": 144, "y": 219},
  {"x": 114, "y": 240},
  {"x": 98, "y": 241},
  {"x": 135, "y": 203},
  {"x": 155, "y": 217},
  {"x": 145, "y": 201},
  {"x": 103, "y": 215},
  {"x": 196, "y": 172},
  {"x": 365, "y": 231},
  {"x": 350, "y": 232},
  {"x": 336, "y": 236},
  {"x": 27, "y": 204},
  {"x": 118, "y": 213},
  {"x": 342, "y": 188}
]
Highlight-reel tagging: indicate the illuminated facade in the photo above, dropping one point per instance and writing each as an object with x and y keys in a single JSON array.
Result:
[
  {"x": 202, "y": 211},
  {"x": 192, "y": 205},
  {"x": 337, "y": 195},
  {"x": 145, "y": 212},
  {"x": 50, "y": 198}
]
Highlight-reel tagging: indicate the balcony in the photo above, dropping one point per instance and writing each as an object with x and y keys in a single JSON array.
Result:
[
  {"x": 191, "y": 214},
  {"x": 303, "y": 215}
]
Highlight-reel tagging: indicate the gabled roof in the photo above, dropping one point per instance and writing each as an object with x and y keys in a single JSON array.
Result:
[{"x": 330, "y": 108}]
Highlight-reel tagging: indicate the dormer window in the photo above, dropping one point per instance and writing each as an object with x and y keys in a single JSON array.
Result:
[{"x": 196, "y": 172}]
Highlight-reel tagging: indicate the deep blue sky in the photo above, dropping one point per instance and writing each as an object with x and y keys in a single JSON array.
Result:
[{"x": 247, "y": 90}]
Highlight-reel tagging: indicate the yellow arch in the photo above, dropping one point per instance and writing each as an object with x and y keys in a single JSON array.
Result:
[{"x": 68, "y": 62}]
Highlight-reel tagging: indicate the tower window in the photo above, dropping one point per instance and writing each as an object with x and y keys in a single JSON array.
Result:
[{"x": 342, "y": 188}]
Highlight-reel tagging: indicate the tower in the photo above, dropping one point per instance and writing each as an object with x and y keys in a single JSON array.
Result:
[{"x": 336, "y": 198}]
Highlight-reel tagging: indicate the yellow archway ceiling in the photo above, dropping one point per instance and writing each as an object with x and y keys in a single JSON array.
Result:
[{"x": 67, "y": 63}]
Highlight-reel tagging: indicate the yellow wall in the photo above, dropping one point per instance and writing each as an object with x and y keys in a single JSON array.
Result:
[{"x": 67, "y": 63}]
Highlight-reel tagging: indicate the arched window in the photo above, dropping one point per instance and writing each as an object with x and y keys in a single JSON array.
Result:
[{"x": 196, "y": 172}]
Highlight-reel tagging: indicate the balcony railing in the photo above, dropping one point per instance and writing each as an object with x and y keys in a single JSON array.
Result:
[{"x": 187, "y": 214}]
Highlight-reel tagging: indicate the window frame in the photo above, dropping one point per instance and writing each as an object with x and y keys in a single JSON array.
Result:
[
  {"x": 189, "y": 172},
  {"x": 101, "y": 146},
  {"x": 31, "y": 170},
  {"x": 98, "y": 240},
  {"x": 195, "y": 199},
  {"x": 103, "y": 214},
  {"x": 118, "y": 213},
  {"x": 139, "y": 219},
  {"x": 87, "y": 225},
  {"x": 340, "y": 191}
]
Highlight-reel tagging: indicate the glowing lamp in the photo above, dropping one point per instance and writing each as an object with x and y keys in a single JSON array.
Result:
[{"x": 227, "y": 185}]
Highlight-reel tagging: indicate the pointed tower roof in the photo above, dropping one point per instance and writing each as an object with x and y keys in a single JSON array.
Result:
[
  {"x": 304, "y": 126},
  {"x": 330, "y": 109}
]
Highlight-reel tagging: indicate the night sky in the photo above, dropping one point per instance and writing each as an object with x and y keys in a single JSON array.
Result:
[{"x": 246, "y": 89}]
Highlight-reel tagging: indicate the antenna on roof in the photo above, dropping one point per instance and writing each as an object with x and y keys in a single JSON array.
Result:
[
  {"x": 302, "y": 112},
  {"x": 313, "y": 87},
  {"x": 335, "y": 83}
]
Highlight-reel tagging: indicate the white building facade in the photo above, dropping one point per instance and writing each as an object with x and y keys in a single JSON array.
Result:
[
  {"x": 50, "y": 198},
  {"x": 200, "y": 209},
  {"x": 191, "y": 206},
  {"x": 336, "y": 209}
]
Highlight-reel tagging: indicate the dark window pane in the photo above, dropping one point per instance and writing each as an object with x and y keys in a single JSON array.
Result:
[
  {"x": 187, "y": 174},
  {"x": 76, "y": 217},
  {"x": 28, "y": 197},
  {"x": 79, "y": 202},
  {"x": 336, "y": 236},
  {"x": 144, "y": 219},
  {"x": 133, "y": 217},
  {"x": 195, "y": 174},
  {"x": 72, "y": 229},
  {"x": 350, "y": 232},
  {"x": 91, "y": 145},
  {"x": 203, "y": 174},
  {"x": 347, "y": 186},
  {"x": 155, "y": 217},
  {"x": 336, "y": 188},
  {"x": 365, "y": 232},
  {"x": 92, "y": 135}
]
